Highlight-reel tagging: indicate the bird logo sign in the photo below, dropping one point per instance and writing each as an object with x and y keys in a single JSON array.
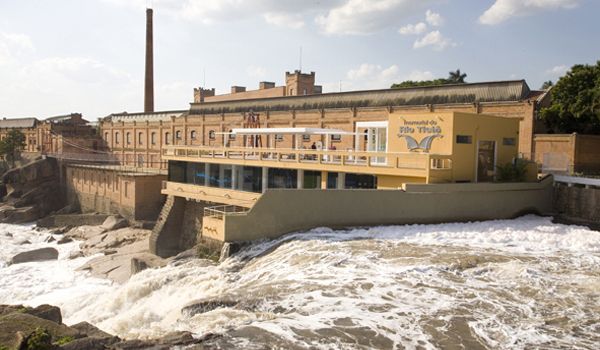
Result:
[{"x": 424, "y": 145}]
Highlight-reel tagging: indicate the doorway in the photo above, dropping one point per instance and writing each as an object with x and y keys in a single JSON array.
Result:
[
  {"x": 375, "y": 134},
  {"x": 486, "y": 161}
]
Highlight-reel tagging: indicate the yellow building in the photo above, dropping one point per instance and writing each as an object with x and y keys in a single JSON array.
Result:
[
  {"x": 407, "y": 168},
  {"x": 405, "y": 148}
]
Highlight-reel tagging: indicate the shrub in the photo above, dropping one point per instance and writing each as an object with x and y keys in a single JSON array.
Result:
[{"x": 512, "y": 172}]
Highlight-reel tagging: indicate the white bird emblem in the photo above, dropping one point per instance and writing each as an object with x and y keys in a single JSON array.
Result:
[{"x": 424, "y": 145}]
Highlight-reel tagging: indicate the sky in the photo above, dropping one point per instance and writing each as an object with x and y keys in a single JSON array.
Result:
[{"x": 87, "y": 56}]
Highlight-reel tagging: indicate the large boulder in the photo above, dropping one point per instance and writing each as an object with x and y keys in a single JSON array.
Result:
[
  {"x": 114, "y": 223},
  {"x": 47, "y": 312},
  {"x": 41, "y": 254},
  {"x": 16, "y": 327}
]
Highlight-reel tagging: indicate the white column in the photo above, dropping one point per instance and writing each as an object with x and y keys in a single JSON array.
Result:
[
  {"x": 300, "y": 179},
  {"x": 341, "y": 181},
  {"x": 234, "y": 177},
  {"x": 221, "y": 176},
  {"x": 206, "y": 174},
  {"x": 265, "y": 179}
]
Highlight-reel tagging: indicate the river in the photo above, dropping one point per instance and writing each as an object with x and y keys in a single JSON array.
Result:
[{"x": 507, "y": 284}]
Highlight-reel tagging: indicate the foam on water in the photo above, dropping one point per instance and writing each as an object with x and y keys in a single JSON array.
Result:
[{"x": 498, "y": 284}]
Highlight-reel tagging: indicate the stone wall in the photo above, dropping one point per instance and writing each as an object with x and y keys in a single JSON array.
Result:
[{"x": 577, "y": 203}]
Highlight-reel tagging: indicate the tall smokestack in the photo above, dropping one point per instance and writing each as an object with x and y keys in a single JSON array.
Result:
[{"x": 149, "y": 80}]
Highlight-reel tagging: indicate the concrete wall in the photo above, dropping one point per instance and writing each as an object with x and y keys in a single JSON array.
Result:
[{"x": 279, "y": 212}]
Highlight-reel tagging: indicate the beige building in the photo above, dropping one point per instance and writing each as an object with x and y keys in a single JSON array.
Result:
[
  {"x": 115, "y": 190},
  {"x": 61, "y": 134}
]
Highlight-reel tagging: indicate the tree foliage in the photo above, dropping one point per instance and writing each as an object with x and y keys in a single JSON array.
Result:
[
  {"x": 547, "y": 85},
  {"x": 455, "y": 77},
  {"x": 575, "y": 102},
  {"x": 12, "y": 145}
]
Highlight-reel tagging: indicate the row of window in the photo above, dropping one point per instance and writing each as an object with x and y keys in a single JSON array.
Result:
[
  {"x": 468, "y": 139},
  {"x": 193, "y": 136}
]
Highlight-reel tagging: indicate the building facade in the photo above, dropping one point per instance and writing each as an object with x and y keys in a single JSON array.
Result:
[{"x": 139, "y": 138}]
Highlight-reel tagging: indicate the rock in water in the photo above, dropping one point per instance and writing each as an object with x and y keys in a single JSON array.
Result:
[
  {"x": 35, "y": 255},
  {"x": 65, "y": 240},
  {"x": 47, "y": 312},
  {"x": 114, "y": 223}
]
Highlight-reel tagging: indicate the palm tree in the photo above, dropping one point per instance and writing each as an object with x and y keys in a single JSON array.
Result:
[{"x": 457, "y": 77}]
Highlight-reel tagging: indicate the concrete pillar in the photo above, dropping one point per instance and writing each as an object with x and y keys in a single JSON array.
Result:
[
  {"x": 221, "y": 176},
  {"x": 341, "y": 181},
  {"x": 300, "y": 179},
  {"x": 206, "y": 174},
  {"x": 265, "y": 179},
  {"x": 234, "y": 177},
  {"x": 324, "y": 175}
]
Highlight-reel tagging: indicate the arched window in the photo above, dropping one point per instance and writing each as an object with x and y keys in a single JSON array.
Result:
[
  {"x": 128, "y": 138},
  {"x": 106, "y": 136},
  {"x": 178, "y": 134},
  {"x": 140, "y": 136},
  {"x": 231, "y": 136},
  {"x": 193, "y": 134},
  {"x": 117, "y": 138},
  {"x": 167, "y": 138},
  {"x": 211, "y": 135},
  {"x": 153, "y": 138}
]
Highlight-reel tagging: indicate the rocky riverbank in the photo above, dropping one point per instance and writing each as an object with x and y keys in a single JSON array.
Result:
[{"x": 41, "y": 328}]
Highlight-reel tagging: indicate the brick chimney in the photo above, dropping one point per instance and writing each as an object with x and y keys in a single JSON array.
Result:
[{"x": 149, "y": 77}]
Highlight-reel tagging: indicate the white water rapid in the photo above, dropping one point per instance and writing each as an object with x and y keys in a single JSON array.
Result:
[{"x": 509, "y": 284}]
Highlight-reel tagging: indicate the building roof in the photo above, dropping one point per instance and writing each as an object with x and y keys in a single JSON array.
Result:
[
  {"x": 18, "y": 123},
  {"x": 499, "y": 91},
  {"x": 63, "y": 118},
  {"x": 141, "y": 117}
]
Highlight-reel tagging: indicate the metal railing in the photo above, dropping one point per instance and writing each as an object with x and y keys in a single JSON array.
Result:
[
  {"x": 221, "y": 211},
  {"x": 418, "y": 161},
  {"x": 574, "y": 180}
]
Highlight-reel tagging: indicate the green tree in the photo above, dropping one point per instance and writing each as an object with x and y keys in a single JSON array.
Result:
[
  {"x": 547, "y": 85},
  {"x": 575, "y": 102},
  {"x": 12, "y": 145},
  {"x": 453, "y": 78},
  {"x": 456, "y": 77}
]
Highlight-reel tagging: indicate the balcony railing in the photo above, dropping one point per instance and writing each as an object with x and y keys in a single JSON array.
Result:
[
  {"x": 221, "y": 211},
  {"x": 413, "y": 161}
]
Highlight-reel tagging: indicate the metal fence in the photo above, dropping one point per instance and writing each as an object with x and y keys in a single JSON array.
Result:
[{"x": 224, "y": 210}]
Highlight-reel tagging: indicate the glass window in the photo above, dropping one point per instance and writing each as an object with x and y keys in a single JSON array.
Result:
[
  {"x": 509, "y": 141},
  {"x": 117, "y": 138},
  {"x": 283, "y": 178},
  {"x": 305, "y": 137},
  {"x": 312, "y": 179},
  {"x": 167, "y": 138},
  {"x": 464, "y": 139},
  {"x": 336, "y": 137},
  {"x": 140, "y": 137},
  {"x": 153, "y": 138},
  {"x": 177, "y": 171},
  {"x": 332, "y": 180},
  {"x": 360, "y": 181},
  {"x": 193, "y": 134},
  {"x": 231, "y": 136},
  {"x": 211, "y": 135},
  {"x": 128, "y": 138},
  {"x": 178, "y": 134}
]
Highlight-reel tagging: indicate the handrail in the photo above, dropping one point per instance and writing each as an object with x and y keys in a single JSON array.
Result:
[
  {"x": 224, "y": 210},
  {"x": 400, "y": 160},
  {"x": 577, "y": 180}
]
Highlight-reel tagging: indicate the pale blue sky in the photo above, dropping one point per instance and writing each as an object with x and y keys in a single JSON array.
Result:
[{"x": 87, "y": 56}]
